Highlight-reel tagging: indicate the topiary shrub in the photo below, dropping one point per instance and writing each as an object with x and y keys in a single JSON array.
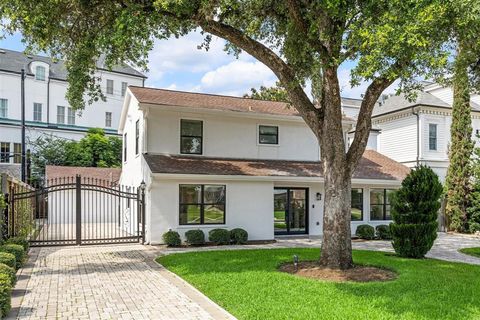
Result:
[
  {"x": 5, "y": 294},
  {"x": 172, "y": 238},
  {"x": 383, "y": 232},
  {"x": 17, "y": 251},
  {"x": 219, "y": 236},
  {"x": 195, "y": 237},
  {"x": 414, "y": 211},
  {"x": 238, "y": 236},
  {"x": 8, "y": 259},
  {"x": 20, "y": 241},
  {"x": 4, "y": 269},
  {"x": 365, "y": 231}
]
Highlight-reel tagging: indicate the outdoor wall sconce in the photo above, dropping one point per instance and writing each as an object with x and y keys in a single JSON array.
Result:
[{"x": 319, "y": 196}]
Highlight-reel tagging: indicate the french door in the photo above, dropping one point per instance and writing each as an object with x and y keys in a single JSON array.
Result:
[{"x": 290, "y": 210}]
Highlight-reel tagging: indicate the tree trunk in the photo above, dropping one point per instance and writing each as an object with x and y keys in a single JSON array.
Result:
[{"x": 336, "y": 244}]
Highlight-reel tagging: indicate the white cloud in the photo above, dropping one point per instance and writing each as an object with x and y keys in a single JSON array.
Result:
[{"x": 237, "y": 77}]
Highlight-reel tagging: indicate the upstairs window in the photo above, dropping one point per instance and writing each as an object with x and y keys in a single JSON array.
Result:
[
  {"x": 37, "y": 111},
  {"x": 108, "y": 119},
  {"x": 191, "y": 136},
  {"x": 4, "y": 152},
  {"x": 60, "y": 114},
  {"x": 17, "y": 153},
  {"x": 202, "y": 204},
  {"x": 3, "y": 108},
  {"x": 432, "y": 136},
  {"x": 267, "y": 134},
  {"x": 71, "y": 116},
  {"x": 124, "y": 88},
  {"x": 137, "y": 136},
  {"x": 380, "y": 204},
  {"x": 109, "y": 86},
  {"x": 40, "y": 73},
  {"x": 357, "y": 204}
]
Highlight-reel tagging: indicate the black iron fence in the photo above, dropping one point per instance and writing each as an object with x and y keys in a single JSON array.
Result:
[{"x": 77, "y": 211}]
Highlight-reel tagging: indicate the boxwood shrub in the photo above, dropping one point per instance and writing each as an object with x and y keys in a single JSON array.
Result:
[
  {"x": 195, "y": 237},
  {"x": 4, "y": 269},
  {"x": 365, "y": 231},
  {"x": 219, "y": 236},
  {"x": 17, "y": 251},
  {"x": 172, "y": 238},
  {"x": 5, "y": 294},
  {"x": 238, "y": 236},
  {"x": 20, "y": 241},
  {"x": 8, "y": 259},
  {"x": 383, "y": 232}
]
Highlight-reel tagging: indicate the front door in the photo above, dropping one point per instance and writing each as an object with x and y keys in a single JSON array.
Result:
[{"x": 290, "y": 210}]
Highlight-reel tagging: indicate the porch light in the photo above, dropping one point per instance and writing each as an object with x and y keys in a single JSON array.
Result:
[
  {"x": 319, "y": 196},
  {"x": 143, "y": 185}
]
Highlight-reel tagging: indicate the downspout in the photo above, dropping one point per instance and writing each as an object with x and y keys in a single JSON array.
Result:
[{"x": 418, "y": 134}]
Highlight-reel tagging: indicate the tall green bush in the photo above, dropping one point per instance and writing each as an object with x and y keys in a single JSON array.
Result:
[{"x": 414, "y": 211}]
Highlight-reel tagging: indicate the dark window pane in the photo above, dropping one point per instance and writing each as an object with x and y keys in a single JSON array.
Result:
[
  {"x": 191, "y": 145},
  {"x": 357, "y": 204},
  {"x": 389, "y": 193},
  {"x": 376, "y": 196},
  {"x": 191, "y": 128},
  {"x": 214, "y": 214},
  {"x": 376, "y": 212},
  {"x": 271, "y": 130},
  {"x": 190, "y": 194},
  {"x": 214, "y": 194},
  {"x": 190, "y": 214},
  {"x": 265, "y": 139},
  {"x": 388, "y": 215}
]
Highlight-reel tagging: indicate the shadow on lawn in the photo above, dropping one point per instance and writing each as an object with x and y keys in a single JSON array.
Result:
[{"x": 424, "y": 289}]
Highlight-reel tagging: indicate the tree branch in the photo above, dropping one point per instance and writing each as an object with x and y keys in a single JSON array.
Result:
[
  {"x": 364, "y": 121},
  {"x": 282, "y": 70}
]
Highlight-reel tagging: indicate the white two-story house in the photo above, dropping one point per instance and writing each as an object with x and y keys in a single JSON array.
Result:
[
  {"x": 418, "y": 132},
  {"x": 212, "y": 161},
  {"x": 46, "y": 108}
]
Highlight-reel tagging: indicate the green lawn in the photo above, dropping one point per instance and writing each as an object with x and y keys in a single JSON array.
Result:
[
  {"x": 246, "y": 283},
  {"x": 471, "y": 251}
]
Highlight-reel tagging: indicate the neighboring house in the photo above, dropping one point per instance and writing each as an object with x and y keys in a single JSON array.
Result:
[
  {"x": 46, "y": 109},
  {"x": 418, "y": 132},
  {"x": 212, "y": 161}
]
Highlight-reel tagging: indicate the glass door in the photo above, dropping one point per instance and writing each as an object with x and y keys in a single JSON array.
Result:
[{"x": 290, "y": 210}]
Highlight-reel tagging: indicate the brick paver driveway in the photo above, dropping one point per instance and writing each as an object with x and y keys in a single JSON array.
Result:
[{"x": 107, "y": 282}]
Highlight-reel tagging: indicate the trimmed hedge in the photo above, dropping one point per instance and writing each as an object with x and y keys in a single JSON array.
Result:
[
  {"x": 195, "y": 237},
  {"x": 8, "y": 259},
  {"x": 17, "y": 251},
  {"x": 4, "y": 269},
  {"x": 172, "y": 238},
  {"x": 238, "y": 236},
  {"x": 383, "y": 232},
  {"x": 414, "y": 212},
  {"x": 365, "y": 231},
  {"x": 20, "y": 241},
  {"x": 5, "y": 294},
  {"x": 219, "y": 236}
]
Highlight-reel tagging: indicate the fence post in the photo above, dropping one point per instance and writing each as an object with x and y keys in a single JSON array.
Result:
[
  {"x": 11, "y": 218},
  {"x": 142, "y": 197},
  {"x": 78, "y": 206}
]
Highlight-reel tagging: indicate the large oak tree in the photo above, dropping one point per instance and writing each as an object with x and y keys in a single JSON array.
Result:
[{"x": 298, "y": 40}]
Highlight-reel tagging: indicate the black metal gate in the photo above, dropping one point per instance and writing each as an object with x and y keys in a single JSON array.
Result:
[{"x": 81, "y": 210}]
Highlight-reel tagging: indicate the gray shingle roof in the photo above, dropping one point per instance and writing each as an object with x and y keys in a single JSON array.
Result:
[
  {"x": 14, "y": 61},
  {"x": 399, "y": 102}
]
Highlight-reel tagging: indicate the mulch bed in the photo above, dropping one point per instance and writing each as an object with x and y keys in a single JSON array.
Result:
[{"x": 311, "y": 269}]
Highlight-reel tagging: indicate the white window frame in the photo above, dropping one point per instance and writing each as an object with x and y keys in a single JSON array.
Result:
[
  {"x": 110, "y": 89},
  {"x": 108, "y": 119},
  {"x": 433, "y": 125},
  {"x": 61, "y": 115},
  {"x": 37, "y": 111},
  {"x": 124, "y": 88},
  {"x": 70, "y": 116},
  {"x": 40, "y": 76},
  {"x": 3, "y": 108}
]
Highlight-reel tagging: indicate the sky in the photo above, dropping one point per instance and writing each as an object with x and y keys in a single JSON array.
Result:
[{"x": 177, "y": 64}]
